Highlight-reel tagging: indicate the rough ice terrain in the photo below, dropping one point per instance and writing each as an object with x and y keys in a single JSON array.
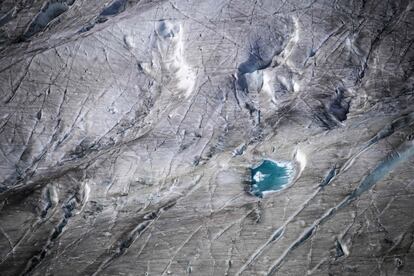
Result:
[{"x": 129, "y": 129}]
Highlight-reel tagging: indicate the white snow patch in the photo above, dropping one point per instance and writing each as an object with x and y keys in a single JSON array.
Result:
[
  {"x": 259, "y": 176},
  {"x": 174, "y": 68}
]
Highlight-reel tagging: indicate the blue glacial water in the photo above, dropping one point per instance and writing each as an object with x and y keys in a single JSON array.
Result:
[{"x": 269, "y": 176}]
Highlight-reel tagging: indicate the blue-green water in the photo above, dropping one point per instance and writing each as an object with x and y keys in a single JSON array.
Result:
[{"x": 269, "y": 176}]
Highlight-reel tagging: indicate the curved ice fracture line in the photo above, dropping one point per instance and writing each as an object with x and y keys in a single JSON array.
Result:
[{"x": 403, "y": 153}]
